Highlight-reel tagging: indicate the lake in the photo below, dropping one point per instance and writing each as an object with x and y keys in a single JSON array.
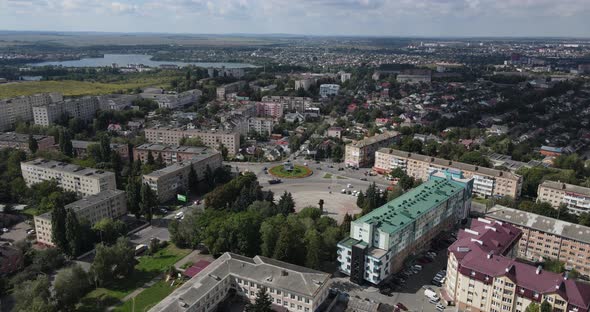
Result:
[{"x": 124, "y": 59}]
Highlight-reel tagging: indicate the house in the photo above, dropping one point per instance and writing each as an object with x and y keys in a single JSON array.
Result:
[
  {"x": 335, "y": 132},
  {"x": 551, "y": 151},
  {"x": 294, "y": 117}
]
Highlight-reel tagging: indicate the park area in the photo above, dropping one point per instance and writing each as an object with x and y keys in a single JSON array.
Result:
[
  {"x": 148, "y": 268},
  {"x": 298, "y": 171}
]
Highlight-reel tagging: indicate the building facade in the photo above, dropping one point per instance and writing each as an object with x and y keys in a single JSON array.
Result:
[
  {"x": 80, "y": 148},
  {"x": 83, "y": 181},
  {"x": 482, "y": 276},
  {"x": 261, "y": 125},
  {"x": 290, "y": 287},
  {"x": 380, "y": 241},
  {"x": 486, "y": 181},
  {"x": 109, "y": 204},
  {"x": 290, "y": 103},
  {"x": 173, "y": 136},
  {"x": 414, "y": 76},
  {"x": 362, "y": 153},
  {"x": 21, "y": 108},
  {"x": 576, "y": 198},
  {"x": 172, "y": 180},
  {"x": 233, "y": 87},
  {"x": 21, "y": 141},
  {"x": 269, "y": 109},
  {"x": 304, "y": 83},
  {"x": 82, "y": 108},
  {"x": 548, "y": 238},
  {"x": 174, "y": 100},
  {"x": 329, "y": 90},
  {"x": 170, "y": 154}
]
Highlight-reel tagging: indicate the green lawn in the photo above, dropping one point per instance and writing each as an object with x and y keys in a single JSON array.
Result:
[
  {"x": 341, "y": 178},
  {"x": 148, "y": 298},
  {"x": 328, "y": 176},
  {"x": 147, "y": 269},
  {"x": 298, "y": 172}
]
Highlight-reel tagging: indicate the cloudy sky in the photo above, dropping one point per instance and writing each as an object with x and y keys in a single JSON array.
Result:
[{"x": 317, "y": 17}]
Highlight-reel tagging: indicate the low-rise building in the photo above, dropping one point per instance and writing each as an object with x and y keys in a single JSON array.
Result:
[
  {"x": 173, "y": 136},
  {"x": 486, "y": 181},
  {"x": 223, "y": 91},
  {"x": 173, "y": 100},
  {"x": 109, "y": 204},
  {"x": 80, "y": 148},
  {"x": 482, "y": 276},
  {"x": 290, "y": 287},
  {"x": 380, "y": 241},
  {"x": 170, "y": 153},
  {"x": 172, "y": 180},
  {"x": 362, "y": 153},
  {"x": 83, "y": 181},
  {"x": 335, "y": 132},
  {"x": 576, "y": 198},
  {"x": 548, "y": 238},
  {"x": 329, "y": 90},
  {"x": 551, "y": 151},
  {"x": 21, "y": 141}
]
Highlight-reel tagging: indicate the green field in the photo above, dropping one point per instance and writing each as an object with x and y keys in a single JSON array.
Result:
[
  {"x": 298, "y": 172},
  {"x": 328, "y": 176},
  {"x": 147, "y": 269},
  {"x": 148, "y": 298},
  {"x": 77, "y": 88}
]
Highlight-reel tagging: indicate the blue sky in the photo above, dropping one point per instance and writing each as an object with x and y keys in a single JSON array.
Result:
[{"x": 318, "y": 17}]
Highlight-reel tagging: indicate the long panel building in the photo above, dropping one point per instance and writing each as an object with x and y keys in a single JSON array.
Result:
[
  {"x": 380, "y": 240},
  {"x": 21, "y": 108},
  {"x": 545, "y": 237},
  {"x": 486, "y": 181},
  {"x": 576, "y": 198},
  {"x": 83, "y": 108},
  {"x": 362, "y": 153},
  {"x": 21, "y": 141},
  {"x": 290, "y": 287},
  {"x": 173, "y": 136},
  {"x": 170, "y": 154},
  {"x": 109, "y": 204},
  {"x": 83, "y": 181}
]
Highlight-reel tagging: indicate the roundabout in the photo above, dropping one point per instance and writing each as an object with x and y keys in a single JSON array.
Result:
[{"x": 291, "y": 171}]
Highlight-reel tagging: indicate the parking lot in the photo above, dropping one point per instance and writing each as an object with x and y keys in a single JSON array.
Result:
[{"x": 16, "y": 233}]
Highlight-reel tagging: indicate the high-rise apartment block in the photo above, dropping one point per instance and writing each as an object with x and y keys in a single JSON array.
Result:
[
  {"x": 82, "y": 108},
  {"x": 290, "y": 287},
  {"x": 576, "y": 198},
  {"x": 109, "y": 204},
  {"x": 21, "y": 108},
  {"x": 486, "y": 181},
  {"x": 83, "y": 181},
  {"x": 380, "y": 240},
  {"x": 173, "y": 136},
  {"x": 362, "y": 153},
  {"x": 548, "y": 238},
  {"x": 173, "y": 180}
]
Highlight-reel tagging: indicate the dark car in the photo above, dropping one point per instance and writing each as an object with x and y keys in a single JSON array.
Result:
[
  {"x": 401, "y": 306},
  {"x": 363, "y": 179}
]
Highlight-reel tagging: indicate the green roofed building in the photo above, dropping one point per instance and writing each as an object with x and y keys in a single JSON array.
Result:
[{"x": 380, "y": 241}]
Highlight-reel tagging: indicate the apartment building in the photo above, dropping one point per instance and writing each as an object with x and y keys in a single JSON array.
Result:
[
  {"x": 172, "y": 180},
  {"x": 545, "y": 237},
  {"x": 291, "y": 287},
  {"x": 261, "y": 125},
  {"x": 109, "y": 204},
  {"x": 116, "y": 101},
  {"x": 173, "y": 100},
  {"x": 82, "y": 108},
  {"x": 80, "y": 148},
  {"x": 172, "y": 136},
  {"x": 362, "y": 153},
  {"x": 480, "y": 277},
  {"x": 290, "y": 103},
  {"x": 380, "y": 241},
  {"x": 170, "y": 154},
  {"x": 233, "y": 87},
  {"x": 83, "y": 181},
  {"x": 21, "y": 141},
  {"x": 269, "y": 109},
  {"x": 329, "y": 90},
  {"x": 21, "y": 108},
  {"x": 304, "y": 84},
  {"x": 414, "y": 76},
  {"x": 576, "y": 198},
  {"x": 486, "y": 181}
]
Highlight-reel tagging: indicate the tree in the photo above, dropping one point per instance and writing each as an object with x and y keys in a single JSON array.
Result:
[
  {"x": 58, "y": 228},
  {"x": 133, "y": 190},
  {"x": 105, "y": 148},
  {"x": 65, "y": 142},
  {"x": 72, "y": 233},
  {"x": 224, "y": 151},
  {"x": 269, "y": 234},
  {"x": 33, "y": 146},
  {"x": 345, "y": 226},
  {"x": 33, "y": 295},
  {"x": 150, "y": 159},
  {"x": 406, "y": 182},
  {"x": 533, "y": 307},
  {"x": 109, "y": 230},
  {"x": 113, "y": 262},
  {"x": 313, "y": 242},
  {"x": 193, "y": 180},
  {"x": 70, "y": 285},
  {"x": 148, "y": 201},
  {"x": 262, "y": 303},
  {"x": 117, "y": 165},
  {"x": 160, "y": 161},
  {"x": 546, "y": 306},
  {"x": 286, "y": 204},
  {"x": 360, "y": 200}
]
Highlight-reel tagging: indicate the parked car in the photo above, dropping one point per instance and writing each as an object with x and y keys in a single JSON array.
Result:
[
  {"x": 364, "y": 179},
  {"x": 5, "y": 230},
  {"x": 31, "y": 232},
  {"x": 179, "y": 216},
  {"x": 401, "y": 306}
]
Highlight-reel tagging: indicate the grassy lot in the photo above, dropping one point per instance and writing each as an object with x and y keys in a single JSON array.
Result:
[
  {"x": 328, "y": 176},
  {"x": 148, "y": 298},
  {"x": 75, "y": 88},
  {"x": 341, "y": 178},
  {"x": 298, "y": 172},
  {"x": 147, "y": 269}
]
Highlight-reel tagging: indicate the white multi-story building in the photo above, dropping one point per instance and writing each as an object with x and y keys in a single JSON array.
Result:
[
  {"x": 173, "y": 136},
  {"x": 380, "y": 241},
  {"x": 173, "y": 100},
  {"x": 291, "y": 103},
  {"x": 362, "y": 153},
  {"x": 21, "y": 108},
  {"x": 82, "y": 108},
  {"x": 576, "y": 198},
  {"x": 261, "y": 125},
  {"x": 486, "y": 181},
  {"x": 83, "y": 181},
  {"x": 109, "y": 204},
  {"x": 329, "y": 89},
  {"x": 289, "y": 286},
  {"x": 344, "y": 77}
]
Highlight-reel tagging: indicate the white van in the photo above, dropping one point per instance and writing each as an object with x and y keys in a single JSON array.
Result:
[
  {"x": 431, "y": 294},
  {"x": 179, "y": 215}
]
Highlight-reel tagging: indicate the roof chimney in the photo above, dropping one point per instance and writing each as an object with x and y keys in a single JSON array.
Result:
[{"x": 538, "y": 271}]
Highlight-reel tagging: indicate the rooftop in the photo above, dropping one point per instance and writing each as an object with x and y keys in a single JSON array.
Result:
[
  {"x": 172, "y": 148},
  {"x": 268, "y": 272},
  {"x": 401, "y": 211},
  {"x": 19, "y": 137},
  {"x": 375, "y": 139},
  {"x": 565, "y": 229},
  {"x": 566, "y": 187},
  {"x": 70, "y": 168},
  {"x": 179, "y": 165},
  {"x": 87, "y": 201},
  {"x": 84, "y": 144}
]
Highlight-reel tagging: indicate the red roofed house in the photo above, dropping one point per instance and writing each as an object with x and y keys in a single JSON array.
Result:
[
  {"x": 482, "y": 274},
  {"x": 351, "y": 108}
]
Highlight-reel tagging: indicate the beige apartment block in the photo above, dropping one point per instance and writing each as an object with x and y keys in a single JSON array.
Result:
[
  {"x": 576, "y": 198},
  {"x": 21, "y": 108},
  {"x": 486, "y": 181},
  {"x": 172, "y": 136},
  {"x": 172, "y": 180},
  {"x": 109, "y": 204},
  {"x": 291, "y": 287},
  {"x": 545, "y": 237},
  {"x": 362, "y": 153},
  {"x": 82, "y": 108},
  {"x": 170, "y": 154},
  {"x": 83, "y": 181}
]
